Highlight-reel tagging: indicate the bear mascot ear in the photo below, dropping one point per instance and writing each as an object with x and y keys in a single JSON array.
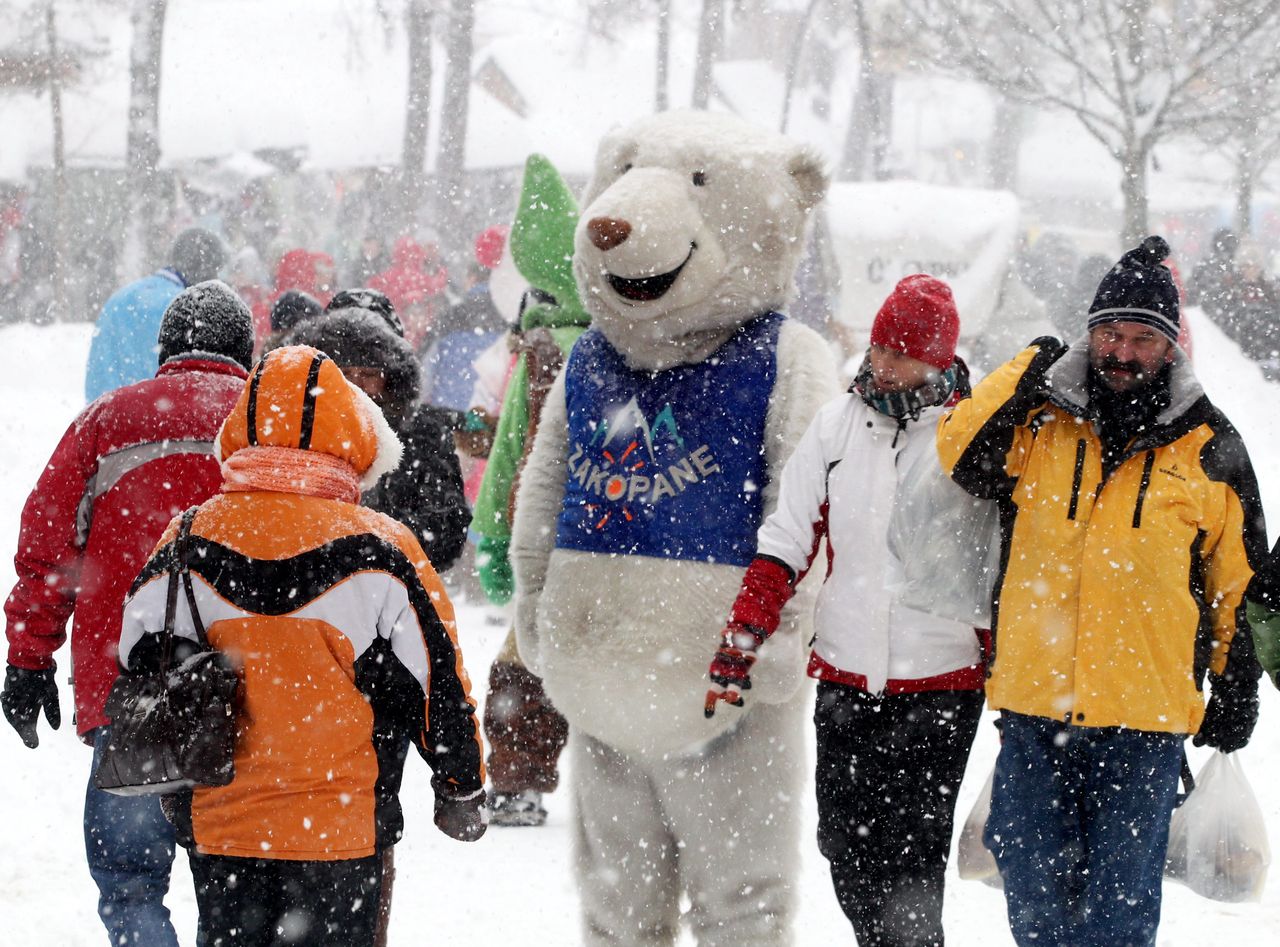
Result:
[{"x": 809, "y": 172}]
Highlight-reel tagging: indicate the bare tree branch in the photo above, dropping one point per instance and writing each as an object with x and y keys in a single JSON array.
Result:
[{"x": 1132, "y": 72}]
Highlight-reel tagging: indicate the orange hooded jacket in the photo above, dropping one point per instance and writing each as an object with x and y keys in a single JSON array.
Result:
[{"x": 342, "y": 632}]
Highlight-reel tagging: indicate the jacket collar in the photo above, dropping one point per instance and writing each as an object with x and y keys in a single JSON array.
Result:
[
  {"x": 1068, "y": 384},
  {"x": 928, "y": 416},
  {"x": 172, "y": 276},
  {"x": 202, "y": 362}
]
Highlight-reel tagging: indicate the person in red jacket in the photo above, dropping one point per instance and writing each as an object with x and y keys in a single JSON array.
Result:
[{"x": 130, "y": 462}]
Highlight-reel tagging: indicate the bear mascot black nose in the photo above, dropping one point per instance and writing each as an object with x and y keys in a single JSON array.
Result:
[{"x": 607, "y": 232}]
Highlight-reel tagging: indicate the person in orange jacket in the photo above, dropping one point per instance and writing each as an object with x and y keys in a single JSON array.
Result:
[{"x": 345, "y": 640}]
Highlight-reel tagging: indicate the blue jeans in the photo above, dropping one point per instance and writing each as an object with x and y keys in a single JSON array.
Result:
[
  {"x": 1079, "y": 825},
  {"x": 130, "y": 848}
]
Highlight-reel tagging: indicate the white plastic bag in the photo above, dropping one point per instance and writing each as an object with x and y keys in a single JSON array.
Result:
[
  {"x": 974, "y": 860},
  {"x": 947, "y": 541},
  {"x": 1217, "y": 839}
]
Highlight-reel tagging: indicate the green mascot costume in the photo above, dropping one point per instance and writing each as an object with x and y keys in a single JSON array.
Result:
[{"x": 525, "y": 732}]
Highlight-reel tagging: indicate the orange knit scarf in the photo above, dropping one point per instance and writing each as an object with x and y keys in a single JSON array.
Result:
[{"x": 289, "y": 470}]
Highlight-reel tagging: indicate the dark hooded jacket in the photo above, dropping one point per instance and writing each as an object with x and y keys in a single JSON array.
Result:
[{"x": 425, "y": 492}]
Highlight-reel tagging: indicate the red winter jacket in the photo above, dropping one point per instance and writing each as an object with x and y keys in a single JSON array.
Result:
[{"x": 132, "y": 460}]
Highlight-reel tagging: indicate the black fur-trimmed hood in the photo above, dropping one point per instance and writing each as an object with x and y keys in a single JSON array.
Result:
[{"x": 359, "y": 337}]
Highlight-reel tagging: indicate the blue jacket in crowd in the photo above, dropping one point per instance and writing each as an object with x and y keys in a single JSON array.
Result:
[{"x": 124, "y": 348}]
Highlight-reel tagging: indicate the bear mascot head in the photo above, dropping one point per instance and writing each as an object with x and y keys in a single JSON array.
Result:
[{"x": 694, "y": 223}]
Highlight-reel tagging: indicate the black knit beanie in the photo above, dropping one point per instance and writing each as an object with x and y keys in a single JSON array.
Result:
[
  {"x": 1139, "y": 288},
  {"x": 207, "y": 319},
  {"x": 291, "y": 308}
]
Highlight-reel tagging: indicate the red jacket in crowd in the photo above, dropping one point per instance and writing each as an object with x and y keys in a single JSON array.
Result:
[{"x": 130, "y": 462}]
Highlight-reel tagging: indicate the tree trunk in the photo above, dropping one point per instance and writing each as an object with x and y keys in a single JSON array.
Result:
[
  {"x": 866, "y": 143},
  {"x": 866, "y": 140},
  {"x": 661, "y": 98},
  {"x": 417, "y": 113},
  {"x": 1246, "y": 174},
  {"x": 1133, "y": 186},
  {"x": 145, "y": 229},
  {"x": 709, "y": 39},
  {"x": 1006, "y": 138},
  {"x": 1244, "y": 201},
  {"x": 57, "y": 271},
  {"x": 793, "y": 63},
  {"x": 451, "y": 156}
]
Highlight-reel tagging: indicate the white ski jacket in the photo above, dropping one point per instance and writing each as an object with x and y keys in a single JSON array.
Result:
[{"x": 843, "y": 481}]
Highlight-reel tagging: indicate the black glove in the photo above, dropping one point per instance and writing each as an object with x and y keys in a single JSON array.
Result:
[
  {"x": 1230, "y": 716},
  {"x": 25, "y": 693},
  {"x": 461, "y": 817},
  {"x": 1032, "y": 384}
]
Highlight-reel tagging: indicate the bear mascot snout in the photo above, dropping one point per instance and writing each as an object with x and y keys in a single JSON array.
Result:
[{"x": 657, "y": 458}]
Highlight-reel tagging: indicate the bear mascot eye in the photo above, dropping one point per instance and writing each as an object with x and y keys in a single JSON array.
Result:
[
  {"x": 626, "y": 167},
  {"x": 699, "y": 178}
]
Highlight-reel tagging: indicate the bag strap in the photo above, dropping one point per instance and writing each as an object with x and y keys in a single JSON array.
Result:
[
  {"x": 170, "y": 610},
  {"x": 182, "y": 568}
]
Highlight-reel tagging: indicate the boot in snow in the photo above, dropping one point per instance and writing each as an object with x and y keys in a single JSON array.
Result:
[{"x": 519, "y": 808}]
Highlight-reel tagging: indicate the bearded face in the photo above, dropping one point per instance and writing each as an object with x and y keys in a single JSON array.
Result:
[{"x": 1128, "y": 355}]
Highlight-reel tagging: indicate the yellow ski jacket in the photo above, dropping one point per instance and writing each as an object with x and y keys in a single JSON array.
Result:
[{"x": 1115, "y": 594}]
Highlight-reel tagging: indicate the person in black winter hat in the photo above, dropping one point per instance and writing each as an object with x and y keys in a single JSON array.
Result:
[
  {"x": 1131, "y": 524},
  {"x": 207, "y": 319},
  {"x": 129, "y": 463}
]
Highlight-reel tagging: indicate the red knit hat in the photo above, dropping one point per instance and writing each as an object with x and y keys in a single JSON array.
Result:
[{"x": 919, "y": 319}]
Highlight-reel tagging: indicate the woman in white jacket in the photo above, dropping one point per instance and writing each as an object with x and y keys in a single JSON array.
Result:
[{"x": 900, "y": 691}]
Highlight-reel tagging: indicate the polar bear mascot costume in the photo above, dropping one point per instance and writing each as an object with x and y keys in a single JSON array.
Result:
[{"x": 657, "y": 458}]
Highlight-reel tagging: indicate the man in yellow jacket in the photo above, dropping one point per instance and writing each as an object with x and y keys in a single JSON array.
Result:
[{"x": 1131, "y": 525}]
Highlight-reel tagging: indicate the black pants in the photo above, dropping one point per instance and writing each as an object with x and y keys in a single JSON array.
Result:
[
  {"x": 888, "y": 771},
  {"x": 271, "y": 902}
]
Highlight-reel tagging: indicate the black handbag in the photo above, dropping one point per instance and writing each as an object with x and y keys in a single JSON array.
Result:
[{"x": 173, "y": 727}]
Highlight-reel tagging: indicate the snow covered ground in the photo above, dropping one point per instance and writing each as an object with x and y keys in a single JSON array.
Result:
[{"x": 515, "y": 886}]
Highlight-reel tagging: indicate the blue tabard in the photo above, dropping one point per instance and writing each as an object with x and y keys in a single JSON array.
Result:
[{"x": 672, "y": 463}]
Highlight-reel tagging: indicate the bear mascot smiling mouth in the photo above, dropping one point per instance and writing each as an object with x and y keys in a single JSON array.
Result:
[{"x": 648, "y": 288}]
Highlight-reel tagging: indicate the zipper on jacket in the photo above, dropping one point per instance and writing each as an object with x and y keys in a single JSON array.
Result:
[
  {"x": 1081, "y": 449},
  {"x": 1142, "y": 487},
  {"x": 902, "y": 426}
]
